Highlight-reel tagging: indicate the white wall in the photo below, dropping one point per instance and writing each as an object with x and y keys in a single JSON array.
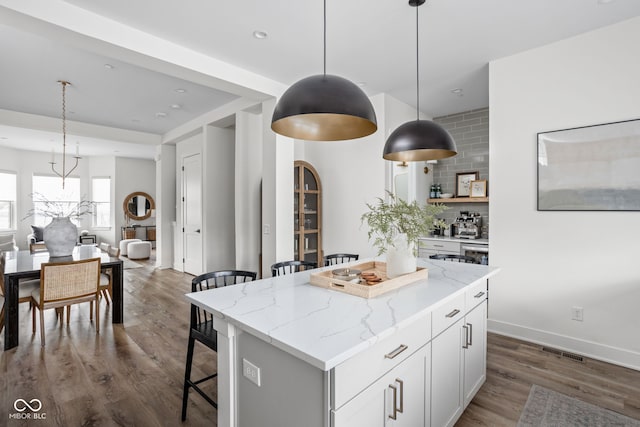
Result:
[
  {"x": 248, "y": 178},
  {"x": 552, "y": 261},
  {"x": 132, "y": 175},
  {"x": 165, "y": 204},
  {"x": 353, "y": 173},
  {"x": 218, "y": 187}
]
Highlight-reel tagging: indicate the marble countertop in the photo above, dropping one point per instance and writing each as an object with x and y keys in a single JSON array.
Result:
[
  {"x": 457, "y": 239},
  {"x": 325, "y": 327}
]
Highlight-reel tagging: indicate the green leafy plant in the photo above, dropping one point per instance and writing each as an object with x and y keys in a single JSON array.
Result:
[{"x": 388, "y": 219}]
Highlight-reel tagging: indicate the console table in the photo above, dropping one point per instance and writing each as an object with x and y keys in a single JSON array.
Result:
[{"x": 131, "y": 232}]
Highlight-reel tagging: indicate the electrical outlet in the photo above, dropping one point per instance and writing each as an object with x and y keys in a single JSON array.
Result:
[
  {"x": 251, "y": 372},
  {"x": 267, "y": 229},
  {"x": 577, "y": 313}
]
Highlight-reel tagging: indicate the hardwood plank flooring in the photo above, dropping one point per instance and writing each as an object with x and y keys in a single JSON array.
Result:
[{"x": 132, "y": 374}]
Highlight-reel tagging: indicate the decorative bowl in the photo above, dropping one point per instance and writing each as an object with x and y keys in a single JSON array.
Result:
[{"x": 446, "y": 195}]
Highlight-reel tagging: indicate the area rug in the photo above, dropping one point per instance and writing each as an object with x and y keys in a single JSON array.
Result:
[
  {"x": 127, "y": 263},
  {"x": 547, "y": 408}
]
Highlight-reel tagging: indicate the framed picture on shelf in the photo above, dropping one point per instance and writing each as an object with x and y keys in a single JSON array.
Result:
[
  {"x": 463, "y": 183},
  {"x": 478, "y": 188}
]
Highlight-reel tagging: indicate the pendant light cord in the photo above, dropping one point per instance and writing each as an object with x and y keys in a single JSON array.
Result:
[
  {"x": 417, "y": 68},
  {"x": 324, "y": 62}
]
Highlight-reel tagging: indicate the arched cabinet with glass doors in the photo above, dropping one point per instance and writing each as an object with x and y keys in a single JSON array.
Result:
[{"x": 307, "y": 213}]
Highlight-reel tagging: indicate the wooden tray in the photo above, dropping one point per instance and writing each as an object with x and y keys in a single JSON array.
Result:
[{"x": 325, "y": 279}]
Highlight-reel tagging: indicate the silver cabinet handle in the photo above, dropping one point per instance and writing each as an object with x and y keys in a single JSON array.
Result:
[
  {"x": 466, "y": 336},
  {"x": 396, "y": 352},
  {"x": 394, "y": 416},
  {"x": 478, "y": 295},
  {"x": 198, "y": 230},
  {"x": 470, "y": 334},
  {"x": 401, "y": 408},
  {"x": 453, "y": 313}
]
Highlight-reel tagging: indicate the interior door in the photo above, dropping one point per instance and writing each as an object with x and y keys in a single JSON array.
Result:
[{"x": 192, "y": 214}]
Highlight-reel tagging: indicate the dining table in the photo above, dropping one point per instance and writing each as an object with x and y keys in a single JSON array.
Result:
[{"x": 23, "y": 264}]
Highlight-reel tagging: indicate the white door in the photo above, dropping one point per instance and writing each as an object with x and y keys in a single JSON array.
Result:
[{"x": 192, "y": 214}]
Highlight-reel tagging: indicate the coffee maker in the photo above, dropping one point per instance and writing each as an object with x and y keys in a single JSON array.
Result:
[{"x": 468, "y": 225}]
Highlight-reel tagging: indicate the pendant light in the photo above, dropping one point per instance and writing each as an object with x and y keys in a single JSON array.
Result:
[
  {"x": 324, "y": 107},
  {"x": 64, "y": 173},
  {"x": 419, "y": 140}
]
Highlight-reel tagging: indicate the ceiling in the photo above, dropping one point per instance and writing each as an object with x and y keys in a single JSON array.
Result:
[{"x": 371, "y": 43}]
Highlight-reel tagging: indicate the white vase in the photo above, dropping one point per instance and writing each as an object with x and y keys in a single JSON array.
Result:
[
  {"x": 60, "y": 237},
  {"x": 401, "y": 258}
]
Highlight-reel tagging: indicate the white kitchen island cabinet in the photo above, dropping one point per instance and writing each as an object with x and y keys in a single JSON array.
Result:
[{"x": 291, "y": 354}]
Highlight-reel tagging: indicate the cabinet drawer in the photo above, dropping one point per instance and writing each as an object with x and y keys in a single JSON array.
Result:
[
  {"x": 475, "y": 295},
  {"x": 354, "y": 375},
  {"x": 447, "y": 314},
  {"x": 440, "y": 246}
]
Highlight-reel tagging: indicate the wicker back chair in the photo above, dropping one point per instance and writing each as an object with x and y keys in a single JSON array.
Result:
[
  {"x": 106, "y": 278},
  {"x": 24, "y": 290},
  {"x": 66, "y": 283}
]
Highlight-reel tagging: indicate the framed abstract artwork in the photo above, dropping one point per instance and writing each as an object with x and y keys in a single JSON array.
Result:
[
  {"x": 590, "y": 168},
  {"x": 463, "y": 183}
]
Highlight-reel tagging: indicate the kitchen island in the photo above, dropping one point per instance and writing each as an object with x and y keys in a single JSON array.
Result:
[{"x": 293, "y": 354}]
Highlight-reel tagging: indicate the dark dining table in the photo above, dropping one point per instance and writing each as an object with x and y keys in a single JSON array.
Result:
[{"x": 27, "y": 265}]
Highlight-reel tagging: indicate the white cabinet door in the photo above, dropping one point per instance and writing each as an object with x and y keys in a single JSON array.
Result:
[
  {"x": 446, "y": 376},
  {"x": 475, "y": 367},
  {"x": 398, "y": 394}
]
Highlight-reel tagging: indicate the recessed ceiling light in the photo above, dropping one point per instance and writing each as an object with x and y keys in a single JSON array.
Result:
[
  {"x": 161, "y": 115},
  {"x": 260, "y": 34},
  {"x": 180, "y": 90},
  {"x": 3, "y": 137},
  {"x": 605, "y": 1},
  {"x": 176, "y": 106},
  {"x": 457, "y": 91},
  {"x": 109, "y": 66}
]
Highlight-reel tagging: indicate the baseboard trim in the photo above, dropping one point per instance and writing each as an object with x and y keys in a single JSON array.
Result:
[{"x": 614, "y": 355}]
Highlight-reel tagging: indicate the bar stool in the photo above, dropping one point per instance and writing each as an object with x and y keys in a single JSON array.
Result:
[
  {"x": 201, "y": 327},
  {"x": 288, "y": 267},
  {"x": 339, "y": 258}
]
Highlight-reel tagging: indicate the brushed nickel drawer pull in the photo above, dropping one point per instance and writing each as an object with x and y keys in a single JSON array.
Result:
[
  {"x": 466, "y": 336},
  {"x": 394, "y": 416},
  {"x": 453, "y": 313},
  {"x": 401, "y": 408},
  {"x": 470, "y": 333},
  {"x": 396, "y": 352},
  {"x": 478, "y": 295}
]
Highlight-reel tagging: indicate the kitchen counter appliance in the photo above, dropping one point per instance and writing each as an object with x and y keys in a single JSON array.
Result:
[{"x": 468, "y": 225}]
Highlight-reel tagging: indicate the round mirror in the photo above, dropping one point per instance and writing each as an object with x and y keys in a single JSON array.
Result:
[{"x": 138, "y": 205}]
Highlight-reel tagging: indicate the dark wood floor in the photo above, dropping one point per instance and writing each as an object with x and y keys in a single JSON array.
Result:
[{"x": 132, "y": 374}]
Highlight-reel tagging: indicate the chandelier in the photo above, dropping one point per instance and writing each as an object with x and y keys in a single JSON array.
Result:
[{"x": 64, "y": 173}]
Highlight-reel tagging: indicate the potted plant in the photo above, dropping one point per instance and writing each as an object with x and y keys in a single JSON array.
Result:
[
  {"x": 60, "y": 235},
  {"x": 395, "y": 227}
]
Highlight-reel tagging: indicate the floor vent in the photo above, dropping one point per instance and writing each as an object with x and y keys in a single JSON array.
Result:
[{"x": 566, "y": 354}]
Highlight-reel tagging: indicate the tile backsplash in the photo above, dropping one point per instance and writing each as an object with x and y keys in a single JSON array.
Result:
[{"x": 470, "y": 130}]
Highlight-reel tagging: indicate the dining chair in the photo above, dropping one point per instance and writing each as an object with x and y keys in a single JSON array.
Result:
[
  {"x": 339, "y": 258},
  {"x": 454, "y": 258},
  {"x": 24, "y": 289},
  {"x": 288, "y": 267},
  {"x": 201, "y": 326},
  {"x": 65, "y": 283},
  {"x": 106, "y": 278},
  {"x": 104, "y": 247}
]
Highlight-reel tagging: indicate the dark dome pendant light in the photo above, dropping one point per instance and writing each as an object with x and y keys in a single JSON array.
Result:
[
  {"x": 324, "y": 107},
  {"x": 419, "y": 140}
]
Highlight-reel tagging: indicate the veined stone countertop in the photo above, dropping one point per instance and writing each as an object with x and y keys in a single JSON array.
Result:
[
  {"x": 325, "y": 327},
  {"x": 457, "y": 239}
]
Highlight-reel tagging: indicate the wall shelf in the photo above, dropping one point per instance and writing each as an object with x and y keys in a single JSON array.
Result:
[{"x": 461, "y": 200}]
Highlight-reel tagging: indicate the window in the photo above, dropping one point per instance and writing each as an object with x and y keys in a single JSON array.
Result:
[
  {"x": 101, "y": 195},
  {"x": 50, "y": 188},
  {"x": 7, "y": 201}
]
